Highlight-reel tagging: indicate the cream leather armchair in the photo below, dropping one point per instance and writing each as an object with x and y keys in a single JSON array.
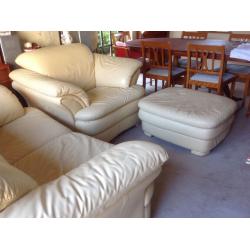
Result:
[
  {"x": 46, "y": 170},
  {"x": 90, "y": 93}
]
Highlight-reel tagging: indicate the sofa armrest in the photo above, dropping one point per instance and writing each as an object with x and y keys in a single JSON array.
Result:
[
  {"x": 116, "y": 71},
  {"x": 93, "y": 186},
  {"x": 51, "y": 87}
]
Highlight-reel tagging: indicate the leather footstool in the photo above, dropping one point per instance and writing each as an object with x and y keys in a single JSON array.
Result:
[{"x": 192, "y": 119}]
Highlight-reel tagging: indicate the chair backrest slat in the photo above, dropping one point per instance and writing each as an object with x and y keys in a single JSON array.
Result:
[
  {"x": 158, "y": 53},
  {"x": 205, "y": 60},
  {"x": 239, "y": 37},
  {"x": 194, "y": 35},
  {"x": 206, "y": 56},
  {"x": 205, "y": 63}
]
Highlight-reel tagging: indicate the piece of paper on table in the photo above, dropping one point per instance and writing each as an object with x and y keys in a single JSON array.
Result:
[{"x": 241, "y": 52}]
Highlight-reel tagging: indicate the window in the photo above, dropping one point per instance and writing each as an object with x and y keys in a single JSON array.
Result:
[{"x": 105, "y": 42}]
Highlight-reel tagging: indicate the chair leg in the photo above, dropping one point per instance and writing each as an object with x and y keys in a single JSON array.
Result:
[
  {"x": 151, "y": 82},
  {"x": 225, "y": 90},
  {"x": 156, "y": 82},
  {"x": 232, "y": 89},
  {"x": 247, "y": 88},
  {"x": 248, "y": 110},
  {"x": 144, "y": 81},
  {"x": 162, "y": 84}
]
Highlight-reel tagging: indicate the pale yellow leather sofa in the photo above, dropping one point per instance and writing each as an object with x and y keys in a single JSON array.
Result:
[
  {"x": 46, "y": 170},
  {"x": 90, "y": 93}
]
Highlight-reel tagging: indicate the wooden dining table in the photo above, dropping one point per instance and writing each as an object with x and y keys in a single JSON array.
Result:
[{"x": 179, "y": 45}]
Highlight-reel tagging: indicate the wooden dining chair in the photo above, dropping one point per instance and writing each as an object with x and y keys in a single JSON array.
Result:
[
  {"x": 182, "y": 62},
  {"x": 158, "y": 57},
  {"x": 194, "y": 35},
  {"x": 242, "y": 71},
  {"x": 205, "y": 72},
  {"x": 154, "y": 34},
  {"x": 119, "y": 47}
]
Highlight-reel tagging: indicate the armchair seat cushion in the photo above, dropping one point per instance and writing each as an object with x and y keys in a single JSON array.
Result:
[{"x": 105, "y": 100}]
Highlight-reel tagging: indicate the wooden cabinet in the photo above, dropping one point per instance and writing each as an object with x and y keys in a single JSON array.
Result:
[{"x": 4, "y": 75}]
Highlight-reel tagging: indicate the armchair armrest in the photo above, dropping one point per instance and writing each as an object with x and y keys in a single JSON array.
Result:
[
  {"x": 51, "y": 87},
  {"x": 94, "y": 185},
  {"x": 116, "y": 71}
]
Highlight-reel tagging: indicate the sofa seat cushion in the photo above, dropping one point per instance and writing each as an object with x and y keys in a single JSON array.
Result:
[
  {"x": 105, "y": 100},
  {"x": 72, "y": 63},
  {"x": 60, "y": 155},
  {"x": 27, "y": 133},
  {"x": 13, "y": 183},
  {"x": 190, "y": 107},
  {"x": 11, "y": 108}
]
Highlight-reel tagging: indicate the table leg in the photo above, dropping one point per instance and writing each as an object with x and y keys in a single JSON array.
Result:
[{"x": 248, "y": 110}]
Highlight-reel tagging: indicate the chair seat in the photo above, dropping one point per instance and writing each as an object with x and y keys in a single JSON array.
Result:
[
  {"x": 164, "y": 72},
  {"x": 183, "y": 63},
  {"x": 202, "y": 77},
  {"x": 238, "y": 69}
]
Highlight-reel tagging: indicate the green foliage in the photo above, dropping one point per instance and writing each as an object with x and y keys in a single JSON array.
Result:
[{"x": 104, "y": 41}]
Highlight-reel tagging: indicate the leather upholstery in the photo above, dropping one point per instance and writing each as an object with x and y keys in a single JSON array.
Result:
[
  {"x": 77, "y": 176},
  {"x": 21, "y": 137},
  {"x": 72, "y": 63},
  {"x": 105, "y": 100},
  {"x": 51, "y": 87},
  {"x": 189, "y": 118},
  {"x": 10, "y": 109},
  {"x": 73, "y": 96},
  {"x": 94, "y": 185},
  {"x": 114, "y": 71},
  {"x": 190, "y": 107},
  {"x": 13, "y": 183}
]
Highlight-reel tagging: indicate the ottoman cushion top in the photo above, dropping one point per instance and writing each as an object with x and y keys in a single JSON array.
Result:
[{"x": 194, "y": 108}]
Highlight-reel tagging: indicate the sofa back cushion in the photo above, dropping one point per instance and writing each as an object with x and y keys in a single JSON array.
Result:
[
  {"x": 72, "y": 63},
  {"x": 10, "y": 107},
  {"x": 13, "y": 183}
]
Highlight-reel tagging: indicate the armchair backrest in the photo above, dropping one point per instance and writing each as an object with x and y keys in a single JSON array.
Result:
[{"x": 72, "y": 63}]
